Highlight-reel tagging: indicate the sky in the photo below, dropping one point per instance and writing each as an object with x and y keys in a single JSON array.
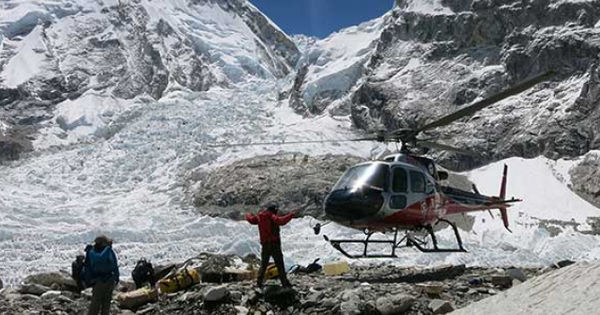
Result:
[{"x": 321, "y": 17}]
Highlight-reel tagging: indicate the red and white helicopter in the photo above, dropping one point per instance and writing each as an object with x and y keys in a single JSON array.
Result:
[{"x": 405, "y": 192}]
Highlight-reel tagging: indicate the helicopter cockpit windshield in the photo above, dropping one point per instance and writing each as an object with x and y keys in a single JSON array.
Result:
[{"x": 371, "y": 176}]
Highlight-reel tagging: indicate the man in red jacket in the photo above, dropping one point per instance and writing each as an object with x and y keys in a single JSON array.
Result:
[{"x": 268, "y": 226}]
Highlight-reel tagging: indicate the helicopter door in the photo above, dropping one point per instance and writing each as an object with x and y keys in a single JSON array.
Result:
[
  {"x": 399, "y": 191},
  {"x": 419, "y": 190}
]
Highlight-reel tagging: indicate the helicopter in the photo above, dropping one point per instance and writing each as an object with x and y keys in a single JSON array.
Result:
[{"x": 405, "y": 192}]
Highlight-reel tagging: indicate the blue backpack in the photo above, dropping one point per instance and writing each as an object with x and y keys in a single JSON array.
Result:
[{"x": 101, "y": 263}]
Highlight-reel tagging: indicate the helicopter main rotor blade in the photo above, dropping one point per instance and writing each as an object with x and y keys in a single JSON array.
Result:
[
  {"x": 439, "y": 146},
  {"x": 291, "y": 142},
  {"x": 471, "y": 109}
]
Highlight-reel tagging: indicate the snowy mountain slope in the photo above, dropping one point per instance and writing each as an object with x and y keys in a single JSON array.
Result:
[
  {"x": 123, "y": 52},
  {"x": 331, "y": 66},
  {"x": 429, "y": 58}
]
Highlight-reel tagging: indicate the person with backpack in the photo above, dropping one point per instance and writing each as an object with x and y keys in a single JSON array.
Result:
[
  {"x": 268, "y": 226},
  {"x": 102, "y": 273}
]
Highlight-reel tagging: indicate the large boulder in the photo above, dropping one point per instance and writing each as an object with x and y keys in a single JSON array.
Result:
[
  {"x": 216, "y": 294},
  {"x": 293, "y": 179},
  {"x": 440, "y": 306},
  {"x": 395, "y": 304},
  {"x": 33, "y": 288},
  {"x": 585, "y": 178},
  {"x": 281, "y": 296},
  {"x": 56, "y": 280}
]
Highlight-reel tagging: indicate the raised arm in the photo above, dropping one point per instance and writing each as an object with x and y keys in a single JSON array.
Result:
[
  {"x": 283, "y": 220},
  {"x": 252, "y": 219}
]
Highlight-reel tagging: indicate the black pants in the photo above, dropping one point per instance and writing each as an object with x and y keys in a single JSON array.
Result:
[
  {"x": 101, "y": 296},
  {"x": 272, "y": 250}
]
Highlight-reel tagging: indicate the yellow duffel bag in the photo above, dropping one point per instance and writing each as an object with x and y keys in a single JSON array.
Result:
[
  {"x": 179, "y": 281},
  {"x": 271, "y": 272}
]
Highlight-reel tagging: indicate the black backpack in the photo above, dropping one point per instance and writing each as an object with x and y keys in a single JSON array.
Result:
[
  {"x": 314, "y": 267},
  {"x": 77, "y": 271},
  {"x": 142, "y": 273}
]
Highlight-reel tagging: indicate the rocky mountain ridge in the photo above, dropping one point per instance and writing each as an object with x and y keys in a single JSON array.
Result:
[{"x": 428, "y": 58}]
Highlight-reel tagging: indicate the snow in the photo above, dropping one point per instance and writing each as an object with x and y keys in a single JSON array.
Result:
[
  {"x": 131, "y": 186},
  {"x": 28, "y": 60},
  {"x": 80, "y": 119},
  {"x": 336, "y": 62},
  {"x": 527, "y": 178},
  {"x": 557, "y": 3},
  {"x": 222, "y": 36},
  {"x": 431, "y": 7},
  {"x": 570, "y": 290},
  {"x": 3, "y": 127}
]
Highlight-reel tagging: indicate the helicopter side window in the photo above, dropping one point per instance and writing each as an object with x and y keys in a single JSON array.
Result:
[
  {"x": 400, "y": 180},
  {"x": 417, "y": 181}
]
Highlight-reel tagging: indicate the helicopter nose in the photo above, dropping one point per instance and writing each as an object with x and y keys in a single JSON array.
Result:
[{"x": 353, "y": 204}]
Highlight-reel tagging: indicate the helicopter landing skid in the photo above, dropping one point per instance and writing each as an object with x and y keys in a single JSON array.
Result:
[{"x": 407, "y": 241}]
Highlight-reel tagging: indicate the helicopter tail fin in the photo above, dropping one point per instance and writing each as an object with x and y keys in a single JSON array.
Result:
[{"x": 503, "y": 197}]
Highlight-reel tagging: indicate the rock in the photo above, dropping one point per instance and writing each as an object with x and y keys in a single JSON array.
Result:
[
  {"x": 313, "y": 298},
  {"x": 433, "y": 288},
  {"x": 328, "y": 302},
  {"x": 87, "y": 293},
  {"x": 350, "y": 307},
  {"x": 516, "y": 273},
  {"x": 33, "y": 288},
  {"x": 146, "y": 310},
  {"x": 63, "y": 299},
  {"x": 280, "y": 296},
  {"x": 300, "y": 180},
  {"x": 191, "y": 296},
  {"x": 236, "y": 296},
  {"x": 482, "y": 290},
  {"x": 396, "y": 304},
  {"x": 502, "y": 281},
  {"x": 564, "y": 263},
  {"x": 241, "y": 310},
  {"x": 585, "y": 179},
  {"x": 1, "y": 284},
  {"x": 440, "y": 306},
  {"x": 49, "y": 295},
  {"x": 216, "y": 294},
  {"x": 516, "y": 282},
  {"x": 61, "y": 280}
]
